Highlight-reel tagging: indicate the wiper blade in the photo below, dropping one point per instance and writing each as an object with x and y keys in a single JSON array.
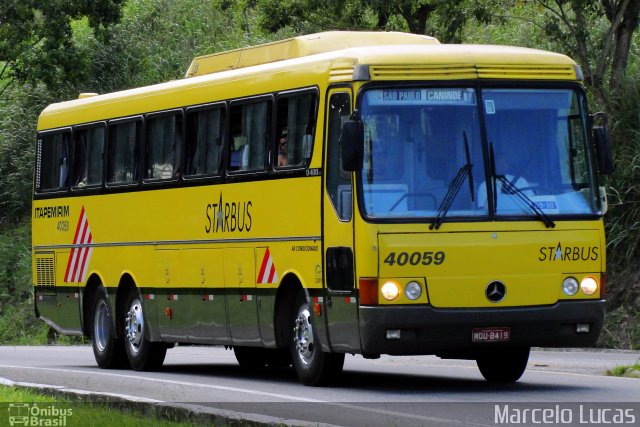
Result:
[
  {"x": 452, "y": 192},
  {"x": 512, "y": 189},
  {"x": 454, "y": 187}
]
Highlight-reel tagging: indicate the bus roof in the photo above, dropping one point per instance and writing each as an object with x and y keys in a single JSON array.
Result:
[
  {"x": 414, "y": 58},
  {"x": 298, "y": 47}
]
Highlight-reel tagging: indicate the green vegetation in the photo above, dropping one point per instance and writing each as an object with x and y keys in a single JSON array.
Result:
[
  {"x": 622, "y": 328},
  {"x": 51, "y": 51},
  {"x": 632, "y": 371},
  {"x": 75, "y": 412}
]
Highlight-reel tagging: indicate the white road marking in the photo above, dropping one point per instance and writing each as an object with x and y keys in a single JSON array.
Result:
[
  {"x": 165, "y": 381},
  {"x": 10, "y": 383},
  {"x": 224, "y": 388}
]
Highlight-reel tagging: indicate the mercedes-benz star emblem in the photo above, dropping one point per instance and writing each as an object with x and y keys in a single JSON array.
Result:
[{"x": 496, "y": 291}]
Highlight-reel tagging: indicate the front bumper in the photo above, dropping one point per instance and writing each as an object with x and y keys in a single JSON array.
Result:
[{"x": 448, "y": 332}]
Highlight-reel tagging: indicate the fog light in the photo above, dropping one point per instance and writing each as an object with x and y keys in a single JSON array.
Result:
[
  {"x": 413, "y": 290},
  {"x": 393, "y": 334},
  {"x": 583, "y": 328},
  {"x": 589, "y": 285},
  {"x": 570, "y": 286},
  {"x": 390, "y": 291}
]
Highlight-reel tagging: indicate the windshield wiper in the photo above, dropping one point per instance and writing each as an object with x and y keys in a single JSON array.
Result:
[
  {"x": 454, "y": 187},
  {"x": 509, "y": 188}
]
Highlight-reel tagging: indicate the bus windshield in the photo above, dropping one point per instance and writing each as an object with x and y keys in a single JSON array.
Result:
[{"x": 425, "y": 155}]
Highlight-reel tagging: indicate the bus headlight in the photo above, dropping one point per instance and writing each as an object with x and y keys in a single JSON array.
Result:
[
  {"x": 589, "y": 285},
  {"x": 390, "y": 291},
  {"x": 570, "y": 286},
  {"x": 413, "y": 290}
]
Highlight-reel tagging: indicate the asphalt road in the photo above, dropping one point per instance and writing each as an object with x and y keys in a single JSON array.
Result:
[{"x": 390, "y": 391}]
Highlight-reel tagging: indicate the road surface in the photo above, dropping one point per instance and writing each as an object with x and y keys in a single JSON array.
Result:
[{"x": 390, "y": 391}]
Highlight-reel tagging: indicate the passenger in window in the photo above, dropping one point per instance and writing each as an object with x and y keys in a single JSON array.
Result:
[
  {"x": 282, "y": 148},
  {"x": 238, "y": 152}
]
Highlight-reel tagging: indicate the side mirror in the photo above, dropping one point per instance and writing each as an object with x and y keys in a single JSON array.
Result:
[
  {"x": 351, "y": 145},
  {"x": 602, "y": 142}
]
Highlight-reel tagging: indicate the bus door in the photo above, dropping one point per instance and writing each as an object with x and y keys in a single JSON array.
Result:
[
  {"x": 240, "y": 284},
  {"x": 339, "y": 273}
]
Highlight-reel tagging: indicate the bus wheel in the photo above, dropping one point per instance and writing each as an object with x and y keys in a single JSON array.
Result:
[
  {"x": 312, "y": 365},
  {"x": 107, "y": 349},
  {"x": 143, "y": 354},
  {"x": 504, "y": 366}
]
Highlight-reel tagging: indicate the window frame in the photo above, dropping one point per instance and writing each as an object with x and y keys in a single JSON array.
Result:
[
  {"x": 140, "y": 135},
  {"x": 88, "y": 126},
  {"x": 144, "y": 146},
  {"x": 38, "y": 160},
  {"x": 329, "y": 163},
  {"x": 314, "y": 113},
  {"x": 268, "y": 162},
  {"x": 224, "y": 127}
]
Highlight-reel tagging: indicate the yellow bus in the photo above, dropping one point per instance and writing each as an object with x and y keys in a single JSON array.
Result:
[{"x": 341, "y": 192}]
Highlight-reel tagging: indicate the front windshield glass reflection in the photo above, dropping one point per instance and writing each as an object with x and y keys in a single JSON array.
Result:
[
  {"x": 416, "y": 143},
  {"x": 540, "y": 146},
  {"x": 424, "y": 155}
]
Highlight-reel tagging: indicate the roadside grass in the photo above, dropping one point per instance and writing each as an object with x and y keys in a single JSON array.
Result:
[
  {"x": 64, "y": 411},
  {"x": 631, "y": 371},
  {"x": 19, "y": 326},
  {"x": 621, "y": 328}
]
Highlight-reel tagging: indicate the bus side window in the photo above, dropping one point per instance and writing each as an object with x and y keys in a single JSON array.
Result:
[
  {"x": 87, "y": 156},
  {"x": 204, "y": 141},
  {"x": 163, "y": 146},
  {"x": 296, "y": 117},
  {"x": 123, "y": 152},
  {"x": 250, "y": 136},
  {"x": 338, "y": 180},
  {"x": 54, "y": 161}
]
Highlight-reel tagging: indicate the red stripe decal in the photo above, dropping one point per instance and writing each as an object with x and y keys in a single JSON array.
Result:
[
  {"x": 75, "y": 238},
  {"x": 265, "y": 261}
]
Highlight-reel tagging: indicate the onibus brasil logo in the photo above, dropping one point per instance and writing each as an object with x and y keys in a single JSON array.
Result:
[{"x": 33, "y": 414}]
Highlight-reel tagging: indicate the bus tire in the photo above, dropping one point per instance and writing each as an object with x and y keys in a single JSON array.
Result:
[
  {"x": 313, "y": 366},
  {"x": 108, "y": 350},
  {"x": 144, "y": 355},
  {"x": 504, "y": 366}
]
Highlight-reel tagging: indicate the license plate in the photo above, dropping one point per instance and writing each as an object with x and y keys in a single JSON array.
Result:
[{"x": 499, "y": 334}]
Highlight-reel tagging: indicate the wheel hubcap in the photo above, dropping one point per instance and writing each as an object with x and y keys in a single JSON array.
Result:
[
  {"x": 134, "y": 325},
  {"x": 303, "y": 336},
  {"x": 101, "y": 326}
]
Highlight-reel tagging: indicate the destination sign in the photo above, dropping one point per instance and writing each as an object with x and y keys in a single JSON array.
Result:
[{"x": 431, "y": 96}]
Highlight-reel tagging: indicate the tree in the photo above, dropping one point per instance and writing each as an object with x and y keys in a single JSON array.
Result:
[
  {"x": 36, "y": 43},
  {"x": 442, "y": 19},
  {"x": 570, "y": 22}
]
